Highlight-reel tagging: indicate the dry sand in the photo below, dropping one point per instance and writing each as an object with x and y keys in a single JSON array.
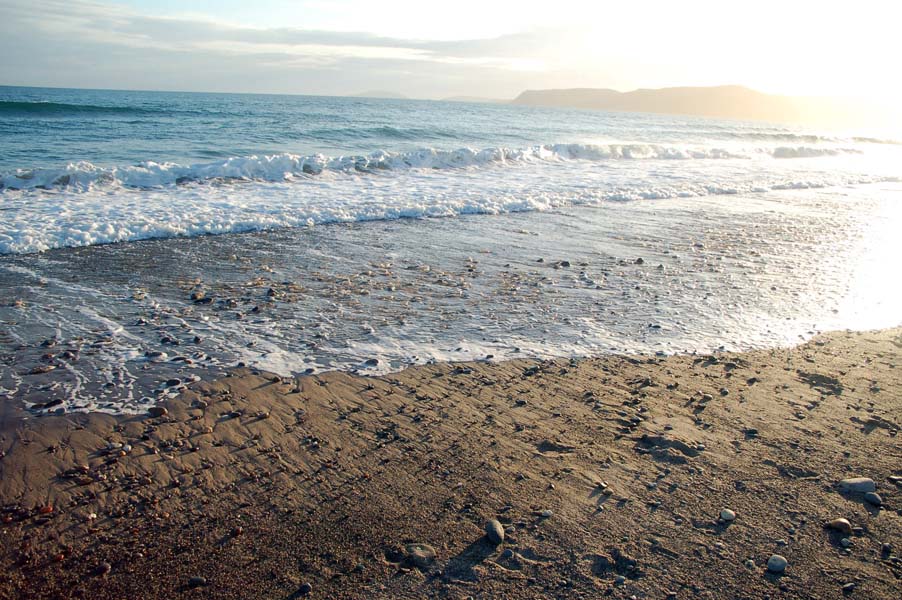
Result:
[{"x": 257, "y": 486}]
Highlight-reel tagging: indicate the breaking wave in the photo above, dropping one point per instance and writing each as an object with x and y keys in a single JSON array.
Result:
[{"x": 287, "y": 167}]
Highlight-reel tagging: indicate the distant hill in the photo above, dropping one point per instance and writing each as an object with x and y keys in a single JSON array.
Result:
[
  {"x": 380, "y": 94},
  {"x": 475, "y": 99},
  {"x": 728, "y": 101}
]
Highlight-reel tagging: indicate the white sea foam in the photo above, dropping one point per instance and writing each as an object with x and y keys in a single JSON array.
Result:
[
  {"x": 85, "y": 204},
  {"x": 285, "y": 167}
]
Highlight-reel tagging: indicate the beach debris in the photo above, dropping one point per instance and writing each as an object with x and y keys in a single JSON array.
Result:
[
  {"x": 841, "y": 525},
  {"x": 419, "y": 555},
  {"x": 777, "y": 564},
  {"x": 727, "y": 515},
  {"x": 873, "y": 498},
  {"x": 494, "y": 531}
]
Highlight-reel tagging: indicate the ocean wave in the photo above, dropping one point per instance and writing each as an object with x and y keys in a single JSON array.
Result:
[
  {"x": 63, "y": 109},
  {"x": 287, "y": 167},
  {"x": 810, "y": 138},
  {"x": 66, "y": 219},
  {"x": 809, "y": 152}
]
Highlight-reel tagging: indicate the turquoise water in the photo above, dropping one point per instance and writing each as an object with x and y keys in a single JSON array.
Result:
[{"x": 41, "y": 127}]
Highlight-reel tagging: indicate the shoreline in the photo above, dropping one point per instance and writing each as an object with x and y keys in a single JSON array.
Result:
[{"x": 260, "y": 485}]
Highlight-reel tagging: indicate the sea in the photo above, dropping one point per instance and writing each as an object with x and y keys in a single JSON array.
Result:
[{"x": 149, "y": 240}]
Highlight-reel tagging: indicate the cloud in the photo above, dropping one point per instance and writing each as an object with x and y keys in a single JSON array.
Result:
[{"x": 89, "y": 43}]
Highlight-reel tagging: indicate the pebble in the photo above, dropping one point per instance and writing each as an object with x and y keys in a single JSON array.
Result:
[
  {"x": 157, "y": 411},
  {"x": 546, "y": 514},
  {"x": 305, "y": 589},
  {"x": 102, "y": 569},
  {"x": 873, "y": 498},
  {"x": 858, "y": 484},
  {"x": 848, "y": 588},
  {"x": 776, "y": 563},
  {"x": 727, "y": 515},
  {"x": 841, "y": 525},
  {"x": 494, "y": 531},
  {"x": 420, "y": 555},
  {"x": 845, "y": 542},
  {"x": 197, "y": 581}
]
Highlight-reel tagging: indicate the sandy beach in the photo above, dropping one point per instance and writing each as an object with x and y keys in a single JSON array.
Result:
[{"x": 616, "y": 476}]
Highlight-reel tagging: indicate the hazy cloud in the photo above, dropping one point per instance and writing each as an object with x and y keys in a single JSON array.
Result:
[{"x": 87, "y": 43}]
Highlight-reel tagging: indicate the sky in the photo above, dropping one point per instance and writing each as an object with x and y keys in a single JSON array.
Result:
[{"x": 423, "y": 49}]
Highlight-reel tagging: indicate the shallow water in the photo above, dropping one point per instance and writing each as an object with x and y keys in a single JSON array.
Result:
[{"x": 671, "y": 275}]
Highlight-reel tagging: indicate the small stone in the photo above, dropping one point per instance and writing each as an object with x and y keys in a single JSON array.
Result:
[
  {"x": 873, "y": 498},
  {"x": 305, "y": 589},
  {"x": 776, "y": 563},
  {"x": 157, "y": 411},
  {"x": 848, "y": 588},
  {"x": 841, "y": 525},
  {"x": 494, "y": 532},
  {"x": 173, "y": 382},
  {"x": 859, "y": 485},
  {"x": 619, "y": 580},
  {"x": 727, "y": 515},
  {"x": 420, "y": 555},
  {"x": 197, "y": 581},
  {"x": 845, "y": 542},
  {"x": 546, "y": 514},
  {"x": 102, "y": 569}
]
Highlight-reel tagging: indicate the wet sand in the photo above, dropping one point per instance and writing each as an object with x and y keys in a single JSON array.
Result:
[{"x": 608, "y": 475}]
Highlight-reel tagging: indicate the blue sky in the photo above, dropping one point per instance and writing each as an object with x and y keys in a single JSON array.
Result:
[{"x": 437, "y": 49}]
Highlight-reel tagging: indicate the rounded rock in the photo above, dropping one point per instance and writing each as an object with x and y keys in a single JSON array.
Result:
[
  {"x": 860, "y": 485},
  {"x": 420, "y": 555},
  {"x": 727, "y": 515},
  {"x": 197, "y": 581},
  {"x": 494, "y": 531},
  {"x": 306, "y": 589},
  {"x": 873, "y": 498},
  {"x": 776, "y": 563},
  {"x": 841, "y": 525}
]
